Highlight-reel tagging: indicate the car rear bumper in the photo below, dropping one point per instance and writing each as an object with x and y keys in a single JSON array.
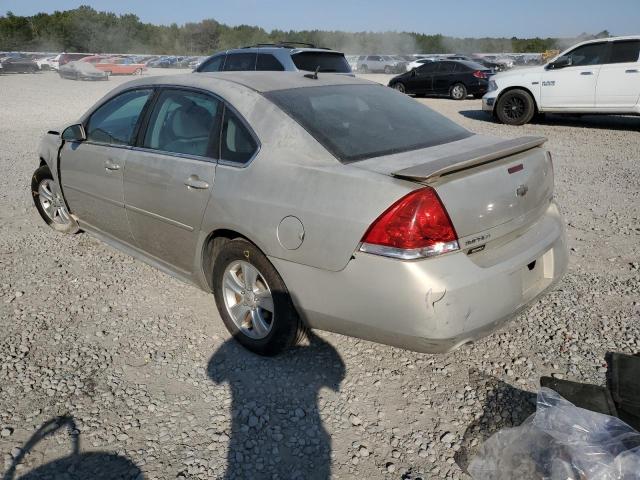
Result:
[
  {"x": 432, "y": 305},
  {"x": 489, "y": 101}
]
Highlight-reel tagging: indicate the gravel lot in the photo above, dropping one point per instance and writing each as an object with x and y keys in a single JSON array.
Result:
[{"x": 148, "y": 372}]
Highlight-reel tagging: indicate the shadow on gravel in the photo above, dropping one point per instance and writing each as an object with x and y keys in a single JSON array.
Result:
[
  {"x": 77, "y": 466},
  {"x": 277, "y": 431},
  {"x": 505, "y": 406},
  {"x": 607, "y": 122}
]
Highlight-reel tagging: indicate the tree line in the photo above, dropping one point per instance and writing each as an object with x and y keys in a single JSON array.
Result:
[{"x": 86, "y": 30}]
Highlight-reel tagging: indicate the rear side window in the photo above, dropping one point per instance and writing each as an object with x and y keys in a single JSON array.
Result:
[
  {"x": 114, "y": 122},
  {"x": 183, "y": 122},
  {"x": 590, "y": 54},
  {"x": 267, "y": 62},
  {"x": 355, "y": 122},
  {"x": 240, "y": 62},
  {"x": 236, "y": 143},
  {"x": 625, "y": 51},
  {"x": 213, "y": 65},
  {"x": 446, "y": 67},
  {"x": 327, "y": 61}
]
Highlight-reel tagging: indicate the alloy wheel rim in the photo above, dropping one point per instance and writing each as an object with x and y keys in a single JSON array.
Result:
[
  {"x": 52, "y": 204},
  {"x": 514, "y": 107},
  {"x": 457, "y": 91},
  {"x": 248, "y": 299},
  {"x": 399, "y": 87}
]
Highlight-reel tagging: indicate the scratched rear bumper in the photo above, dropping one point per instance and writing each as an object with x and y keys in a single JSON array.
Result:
[{"x": 432, "y": 305}]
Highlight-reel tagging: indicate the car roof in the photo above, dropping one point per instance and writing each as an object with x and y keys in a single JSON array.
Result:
[
  {"x": 275, "y": 48},
  {"x": 255, "y": 80}
]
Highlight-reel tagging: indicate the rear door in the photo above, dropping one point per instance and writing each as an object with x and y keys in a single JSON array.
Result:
[
  {"x": 443, "y": 77},
  {"x": 240, "y": 62},
  {"x": 619, "y": 80},
  {"x": 91, "y": 172},
  {"x": 574, "y": 86},
  {"x": 170, "y": 174}
]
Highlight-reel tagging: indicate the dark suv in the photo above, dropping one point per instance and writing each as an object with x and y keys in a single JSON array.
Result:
[{"x": 279, "y": 57}]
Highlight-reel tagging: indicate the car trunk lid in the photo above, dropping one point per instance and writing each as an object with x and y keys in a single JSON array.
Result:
[{"x": 490, "y": 187}]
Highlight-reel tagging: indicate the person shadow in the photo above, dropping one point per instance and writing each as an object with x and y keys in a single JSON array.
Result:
[
  {"x": 504, "y": 406},
  {"x": 276, "y": 426},
  {"x": 75, "y": 466}
]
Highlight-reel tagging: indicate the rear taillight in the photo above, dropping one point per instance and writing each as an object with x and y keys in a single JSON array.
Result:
[
  {"x": 416, "y": 226},
  {"x": 480, "y": 74}
]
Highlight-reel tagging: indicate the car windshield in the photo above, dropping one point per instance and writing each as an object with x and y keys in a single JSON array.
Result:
[
  {"x": 327, "y": 61},
  {"x": 356, "y": 122}
]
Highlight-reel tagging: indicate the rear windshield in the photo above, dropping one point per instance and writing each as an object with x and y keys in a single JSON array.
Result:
[
  {"x": 356, "y": 122},
  {"x": 327, "y": 61}
]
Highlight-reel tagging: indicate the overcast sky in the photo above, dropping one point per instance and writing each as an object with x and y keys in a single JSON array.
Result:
[{"x": 461, "y": 18}]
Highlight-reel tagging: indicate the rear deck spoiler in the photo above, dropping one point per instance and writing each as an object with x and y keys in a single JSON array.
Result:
[{"x": 430, "y": 171}]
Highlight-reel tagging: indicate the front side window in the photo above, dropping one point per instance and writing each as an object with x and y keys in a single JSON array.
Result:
[
  {"x": 356, "y": 122},
  {"x": 625, "y": 51},
  {"x": 590, "y": 54},
  {"x": 240, "y": 62},
  {"x": 213, "y": 65},
  {"x": 329, "y": 62},
  {"x": 268, "y": 63},
  {"x": 115, "y": 121},
  {"x": 236, "y": 143},
  {"x": 183, "y": 122}
]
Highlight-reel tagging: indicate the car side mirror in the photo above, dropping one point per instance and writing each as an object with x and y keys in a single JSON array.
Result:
[
  {"x": 74, "y": 133},
  {"x": 561, "y": 62}
]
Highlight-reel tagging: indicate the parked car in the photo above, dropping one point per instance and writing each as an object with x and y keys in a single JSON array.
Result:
[
  {"x": 457, "y": 79},
  {"x": 64, "y": 58},
  {"x": 290, "y": 57},
  {"x": 244, "y": 185},
  {"x": 78, "y": 70},
  {"x": 115, "y": 65},
  {"x": 380, "y": 64},
  {"x": 598, "y": 76},
  {"x": 45, "y": 63},
  {"x": 19, "y": 65}
]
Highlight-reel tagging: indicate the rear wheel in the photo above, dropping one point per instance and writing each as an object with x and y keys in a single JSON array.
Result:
[
  {"x": 252, "y": 299},
  {"x": 138, "y": 71},
  {"x": 49, "y": 202},
  {"x": 516, "y": 107},
  {"x": 458, "y": 91},
  {"x": 399, "y": 86},
  {"x": 387, "y": 69}
]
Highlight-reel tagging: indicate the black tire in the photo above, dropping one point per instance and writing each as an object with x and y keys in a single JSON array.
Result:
[
  {"x": 387, "y": 69},
  {"x": 364, "y": 69},
  {"x": 458, "y": 91},
  {"x": 286, "y": 327},
  {"x": 41, "y": 175},
  {"x": 399, "y": 86},
  {"x": 515, "y": 107}
]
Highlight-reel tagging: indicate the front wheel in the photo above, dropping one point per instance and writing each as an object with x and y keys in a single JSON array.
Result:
[
  {"x": 516, "y": 107},
  {"x": 49, "y": 202},
  {"x": 387, "y": 69},
  {"x": 399, "y": 87},
  {"x": 458, "y": 91},
  {"x": 138, "y": 71},
  {"x": 252, "y": 299}
]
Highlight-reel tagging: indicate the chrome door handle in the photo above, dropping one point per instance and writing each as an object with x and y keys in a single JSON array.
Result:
[
  {"x": 586, "y": 73},
  {"x": 194, "y": 182},
  {"x": 631, "y": 70},
  {"x": 109, "y": 165}
]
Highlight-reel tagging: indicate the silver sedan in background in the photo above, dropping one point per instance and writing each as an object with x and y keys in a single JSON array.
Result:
[{"x": 311, "y": 201}]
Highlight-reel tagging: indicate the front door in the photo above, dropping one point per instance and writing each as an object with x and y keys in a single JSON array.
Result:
[
  {"x": 169, "y": 175},
  {"x": 91, "y": 171},
  {"x": 574, "y": 86},
  {"x": 619, "y": 79},
  {"x": 422, "y": 79}
]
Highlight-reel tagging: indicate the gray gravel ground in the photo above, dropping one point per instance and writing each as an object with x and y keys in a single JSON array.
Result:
[{"x": 148, "y": 372}]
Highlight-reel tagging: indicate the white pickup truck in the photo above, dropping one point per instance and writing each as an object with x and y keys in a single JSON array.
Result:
[{"x": 595, "y": 77}]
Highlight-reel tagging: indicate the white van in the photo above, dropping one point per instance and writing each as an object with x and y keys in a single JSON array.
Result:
[{"x": 598, "y": 77}]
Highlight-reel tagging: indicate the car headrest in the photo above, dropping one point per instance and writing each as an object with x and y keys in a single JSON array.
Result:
[{"x": 191, "y": 121}]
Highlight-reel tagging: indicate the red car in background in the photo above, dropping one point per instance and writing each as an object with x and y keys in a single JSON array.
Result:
[{"x": 115, "y": 65}]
